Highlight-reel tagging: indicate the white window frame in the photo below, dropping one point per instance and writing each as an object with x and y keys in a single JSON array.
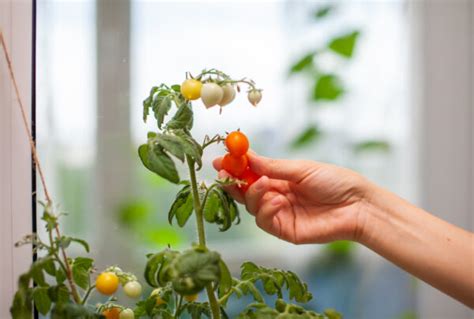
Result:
[
  {"x": 443, "y": 50},
  {"x": 15, "y": 158}
]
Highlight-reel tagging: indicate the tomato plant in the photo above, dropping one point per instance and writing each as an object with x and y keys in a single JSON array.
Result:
[{"x": 61, "y": 286}]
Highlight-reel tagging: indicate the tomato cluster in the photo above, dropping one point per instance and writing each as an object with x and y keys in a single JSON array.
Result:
[
  {"x": 212, "y": 93},
  {"x": 236, "y": 162}
]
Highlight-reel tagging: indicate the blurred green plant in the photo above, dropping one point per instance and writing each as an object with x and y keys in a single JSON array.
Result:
[{"x": 328, "y": 86}]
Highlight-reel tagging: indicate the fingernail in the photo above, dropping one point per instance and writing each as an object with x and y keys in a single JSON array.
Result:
[{"x": 276, "y": 201}]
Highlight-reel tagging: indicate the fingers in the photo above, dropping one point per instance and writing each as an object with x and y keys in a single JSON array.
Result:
[
  {"x": 267, "y": 217},
  {"x": 255, "y": 193},
  {"x": 290, "y": 170},
  {"x": 217, "y": 163},
  {"x": 233, "y": 190}
]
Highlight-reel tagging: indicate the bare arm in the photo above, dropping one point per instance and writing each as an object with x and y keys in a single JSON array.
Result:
[
  {"x": 431, "y": 249},
  {"x": 309, "y": 202}
]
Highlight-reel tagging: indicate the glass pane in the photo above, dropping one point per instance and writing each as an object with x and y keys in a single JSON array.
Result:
[{"x": 97, "y": 62}]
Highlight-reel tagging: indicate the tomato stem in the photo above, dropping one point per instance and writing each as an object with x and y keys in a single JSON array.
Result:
[{"x": 215, "y": 308}]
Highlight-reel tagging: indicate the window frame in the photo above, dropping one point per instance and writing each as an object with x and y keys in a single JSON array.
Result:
[{"x": 17, "y": 177}]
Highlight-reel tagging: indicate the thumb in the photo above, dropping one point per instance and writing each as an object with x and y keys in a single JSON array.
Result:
[{"x": 290, "y": 170}]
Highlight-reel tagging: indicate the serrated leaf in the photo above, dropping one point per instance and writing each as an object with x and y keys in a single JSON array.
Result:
[
  {"x": 309, "y": 135},
  {"x": 37, "y": 274},
  {"x": 42, "y": 300},
  {"x": 183, "y": 119},
  {"x": 60, "y": 275},
  {"x": 50, "y": 267},
  {"x": 328, "y": 87},
  {"x": 176, "y": 88},
  {"x": 161, "y": 106},
  {"x": 81, "y": 269},
  {"x": 344, "y": 45}
]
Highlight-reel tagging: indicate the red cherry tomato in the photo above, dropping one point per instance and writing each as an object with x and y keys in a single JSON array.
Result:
[
  {"x": 237, "y": 143},
  {"x": 235, "y": 165},
  {"x": 249, "y": 177}
]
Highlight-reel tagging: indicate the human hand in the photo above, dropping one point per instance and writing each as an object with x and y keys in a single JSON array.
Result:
[{"x": 303, "y": 201}]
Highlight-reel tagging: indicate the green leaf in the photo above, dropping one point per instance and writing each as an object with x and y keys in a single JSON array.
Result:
[
  {"x": 152, "y": 267},
  {"x": 50, "y": 267},
  {"x": 306, "y": 137},
  {"x": 225, "y": 281},
  {"x": 340, "y": 247},
  {"x": 147, "y": 103},
  {"x": 183, "y": 119},
  {"x": 22, "y": 301},
  {"x": 211, "y": 207},
  {"x": 176, "y": 88},
  {"x": 81, "y": 269},
  {"x": 182, "y": 207},
  {"x": 190, "y": 146},
  {"x": 306, "y": 62},
  {"x": 72, "y": 310},
  {"x": 158, "y": 162},
  {"x": 323, "y": 12},
  {"x": 41, "y": 299},
  {"x": 161, "y": 106},
  {"x": 60, "y": 275},
  {"x": 191, "y": 271},
  {"x": 172, "y": 144},
  {"x": 328, "y": 87},
  {"x": 332, "y": 314},
  {"x": 64, "y": 242},
  {"x": 58, "y": 294},
  {"x": 81, "y": 242},
  {"x": 372, "y": 146},
  {"x": 37, "y": 274},
  {"x": 344, "y": 45}
]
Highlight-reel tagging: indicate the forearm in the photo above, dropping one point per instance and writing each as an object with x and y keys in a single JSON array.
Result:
[{"x": 431, "y": 249}]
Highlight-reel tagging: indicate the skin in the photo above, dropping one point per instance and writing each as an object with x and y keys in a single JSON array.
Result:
[{"x": 307, "y": 202}]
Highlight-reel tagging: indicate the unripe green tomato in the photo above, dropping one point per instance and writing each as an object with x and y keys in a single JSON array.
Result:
[
  {"x": 211, "y": 94},
  {"x": 127, "y": 314},
  {"x": 133, "y": 289},
  {"x": 254, "y": 96},
  {"x": 229, "y": 94}
]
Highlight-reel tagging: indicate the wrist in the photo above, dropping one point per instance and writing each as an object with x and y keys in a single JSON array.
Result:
[{"x": 374, "y": 210}]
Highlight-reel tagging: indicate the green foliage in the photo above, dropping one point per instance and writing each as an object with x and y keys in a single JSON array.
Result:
[
  {"x": 322, "y": 12},
  {"x": 308, "y": 136},
  {"x": 344, "y": 45},
  {"x": 372, "y": 146},
  {"x": 219, "y": 208},
  {"x": 304, "y": 63},
  {"x": 182, "y": 206},
  {"x": 284, "y": 310},
  {"x": 81, "y": 269},
  {"x": 328, "y": 87}
]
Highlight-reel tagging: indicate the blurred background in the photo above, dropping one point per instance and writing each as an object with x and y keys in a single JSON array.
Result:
[{"x": 340, "y": 86}]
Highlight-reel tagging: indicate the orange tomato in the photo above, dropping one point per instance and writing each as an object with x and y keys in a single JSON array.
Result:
[
  {"x": 249, "y": 177},
  {"x": 112, "y": 313},
  {"x": 235, "y": 165},
  {"x": 237, "y": 143}
]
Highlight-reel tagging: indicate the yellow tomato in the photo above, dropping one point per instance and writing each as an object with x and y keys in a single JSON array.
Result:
[
  {"x": 107, "y": 283},
  {"x": 191, "y": 89},
  {"x": 112, "y": 313},
  {"x": 191, "y": 298}
]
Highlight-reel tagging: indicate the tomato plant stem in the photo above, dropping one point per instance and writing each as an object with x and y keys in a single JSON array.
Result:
[{"x": 215, "y": 309}]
